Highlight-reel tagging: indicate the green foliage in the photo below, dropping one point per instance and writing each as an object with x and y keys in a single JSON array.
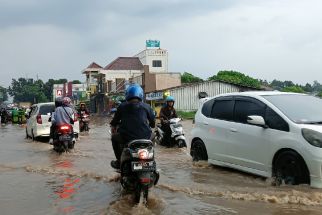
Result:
[
  {"x": 76, "y": 82},
  {"x": 3, "y": 94},
  {"x": 189, "y": 78},
  {"x": 27, "y": 90},
  {"x": 49, "y": 86},
  {"x": 186, "y": 115},
  {"x": 294, "y": 89},
  {"x": 319, "y": 94},
  {"x": 238, "y": 78}
]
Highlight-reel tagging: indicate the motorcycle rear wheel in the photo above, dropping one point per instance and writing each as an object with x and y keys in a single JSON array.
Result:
[{"x": 142, "y": 194}]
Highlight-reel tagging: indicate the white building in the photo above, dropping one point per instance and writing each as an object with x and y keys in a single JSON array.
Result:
[{"x": 156, "y": 59}]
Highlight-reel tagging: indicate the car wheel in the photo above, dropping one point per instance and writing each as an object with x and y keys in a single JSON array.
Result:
[
  {"x": 290, "y": 168},
  {"x": 198, "y": 151}
]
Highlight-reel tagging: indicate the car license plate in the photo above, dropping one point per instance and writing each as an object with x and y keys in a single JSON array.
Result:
[
  {"x": 65, "y": 138},
  {"x": 143, "y": 166}
]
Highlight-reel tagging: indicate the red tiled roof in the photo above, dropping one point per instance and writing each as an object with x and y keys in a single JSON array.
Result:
[
  {"x": 125, "y": 63},
  {"x": 94, "y": 66}
]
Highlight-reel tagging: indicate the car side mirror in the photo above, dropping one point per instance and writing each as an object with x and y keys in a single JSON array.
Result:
[{"x": 256, "y": 120}]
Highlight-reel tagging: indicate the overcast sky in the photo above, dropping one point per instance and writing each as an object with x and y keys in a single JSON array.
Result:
[{"x": 266, "y": 39}]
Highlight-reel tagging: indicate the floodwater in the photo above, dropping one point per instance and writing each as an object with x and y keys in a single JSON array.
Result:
[{"x": 36, "y": 180}]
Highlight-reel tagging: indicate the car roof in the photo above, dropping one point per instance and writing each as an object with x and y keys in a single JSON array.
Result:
[{"x": 259, "y": 93}]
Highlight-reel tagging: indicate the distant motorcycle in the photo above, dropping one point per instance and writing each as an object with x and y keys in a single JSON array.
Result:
[
  {"x": 138, "y": 169},
  {"x": 83, "y": 123},
  {"x": 177, "y": 134},
  {"x": 63, "y": 139}
]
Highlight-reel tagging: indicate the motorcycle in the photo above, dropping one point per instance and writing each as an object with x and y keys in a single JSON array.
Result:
[
  {"x": 138, "y": 169},
  {"x": 83, "y": 123},
  {"x": 63, "y": 139},
  {"x": 177, "y": 134}
]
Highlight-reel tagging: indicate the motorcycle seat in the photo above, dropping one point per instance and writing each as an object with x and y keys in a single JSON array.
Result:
[{"x": 140, "y": 142}]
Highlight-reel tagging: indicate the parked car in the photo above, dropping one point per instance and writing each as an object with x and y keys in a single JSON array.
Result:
[
  {"x": 271, "y": 134},
  {"x": 38, "y": 124}
]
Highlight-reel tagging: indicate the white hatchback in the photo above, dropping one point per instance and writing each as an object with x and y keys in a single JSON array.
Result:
[
  {"x": 38, "y": 124},
  {"x": 271, "y": 134}
]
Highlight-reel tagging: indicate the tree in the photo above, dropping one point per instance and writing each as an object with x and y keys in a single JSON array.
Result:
[
  {"x": 76, "y": 82},
  {"x": 27, "y": 90},
  {"x": 3, "y": 94},
  {"x": 49, "y": 86},
  {"x": 238, "y": 78},
  {"x": 294, "y": 89},
  {"x": 189, "y": 78},
  {"x": 308, "y": 87},
  {"x": 319, "y": 94},
  {"x": 316, "y": 87}
]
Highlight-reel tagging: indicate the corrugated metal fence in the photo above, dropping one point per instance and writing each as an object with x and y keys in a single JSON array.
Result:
[{"x": 187, "y": 96}]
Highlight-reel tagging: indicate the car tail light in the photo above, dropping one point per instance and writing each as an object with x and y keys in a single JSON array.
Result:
[
  {"x": 39, "y": 120},
  {"x": 143, "y": 154}
]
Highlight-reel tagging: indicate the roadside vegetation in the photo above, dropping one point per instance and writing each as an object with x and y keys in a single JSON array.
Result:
[
  {"x": 239, "y": 78},
  {"x": 186, "y": 115}
]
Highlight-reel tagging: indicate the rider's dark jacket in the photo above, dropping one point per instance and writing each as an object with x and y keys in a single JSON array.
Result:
[{"x": 134, "y": 120}]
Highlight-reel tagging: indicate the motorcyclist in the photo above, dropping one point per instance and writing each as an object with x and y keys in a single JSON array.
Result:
[
  {"x": 58, "y": 103},
  {"x": 64, "y": 114},
  {"x": 166, "y": 113},
  {"x": 4, "y": 115},
  {"x": 83, "y": 110},
  {"x": 134, "y": 119}
]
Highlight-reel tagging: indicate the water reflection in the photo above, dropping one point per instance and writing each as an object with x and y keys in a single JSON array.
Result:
[{"x": 64, "y": 187}]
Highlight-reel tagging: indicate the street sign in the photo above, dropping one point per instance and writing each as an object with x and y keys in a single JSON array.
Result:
[
  {"x": 59, "y": 93},
  {"x": 152, "y": 43},
  {"x": 154, "y": 96}
]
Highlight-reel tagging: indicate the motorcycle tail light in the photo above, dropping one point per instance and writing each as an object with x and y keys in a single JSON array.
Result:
[
  {"x": 145, "y": 180},
  {"x": 143, "y": 154},
  {"x": 64, "y": 128}
]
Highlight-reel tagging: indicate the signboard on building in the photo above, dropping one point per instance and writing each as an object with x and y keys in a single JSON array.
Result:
[
  {"x": 152, "y": 43},
  {"x": 59, "y": 93},
  {"x": 154, "y": 96}
]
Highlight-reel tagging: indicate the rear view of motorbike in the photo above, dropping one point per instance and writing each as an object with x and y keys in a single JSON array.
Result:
[
  {"x": 63, "y": 140},
  {"x": 138, "y": 169}
]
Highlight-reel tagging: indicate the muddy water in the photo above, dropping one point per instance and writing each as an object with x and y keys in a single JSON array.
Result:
[{"x": 36, "y": 180}]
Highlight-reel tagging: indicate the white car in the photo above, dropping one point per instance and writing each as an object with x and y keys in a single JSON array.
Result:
[
  {"x": 271, "y": 134},
  {"x": 38, "y": 124}
]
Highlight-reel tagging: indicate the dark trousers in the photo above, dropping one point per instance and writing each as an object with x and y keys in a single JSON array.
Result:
[
  {"x": 167, "y": 134},
  {"x": 118, "y": 143}
]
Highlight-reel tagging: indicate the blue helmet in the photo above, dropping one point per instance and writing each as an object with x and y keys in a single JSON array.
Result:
[
  {"x": 170, "y": 99},
  {"x": 134, "y": 91}
]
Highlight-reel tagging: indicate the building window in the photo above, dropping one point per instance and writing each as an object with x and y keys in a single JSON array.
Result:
[{"x": 157, "y": 63}]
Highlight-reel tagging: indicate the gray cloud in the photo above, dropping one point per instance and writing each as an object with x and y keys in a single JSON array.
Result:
[{"x": 265, "y": 39}]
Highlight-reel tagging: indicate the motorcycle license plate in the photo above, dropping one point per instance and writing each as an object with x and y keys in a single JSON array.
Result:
[
  {"x": 143, "y": 166},
  {"x": 65, "y": 138}
]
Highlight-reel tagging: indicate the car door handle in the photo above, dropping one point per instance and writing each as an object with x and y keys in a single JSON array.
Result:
[
  {"x": 205, "y": 123},
  {"x": 233, "y": 130}
]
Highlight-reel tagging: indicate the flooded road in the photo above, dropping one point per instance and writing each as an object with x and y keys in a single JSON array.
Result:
[{"x": 36, "y": 180}]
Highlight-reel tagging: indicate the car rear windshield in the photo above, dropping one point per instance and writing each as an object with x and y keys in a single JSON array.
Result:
[
  {"x": 299, "y": 108},
  {"x": 45, "y": 109}
]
